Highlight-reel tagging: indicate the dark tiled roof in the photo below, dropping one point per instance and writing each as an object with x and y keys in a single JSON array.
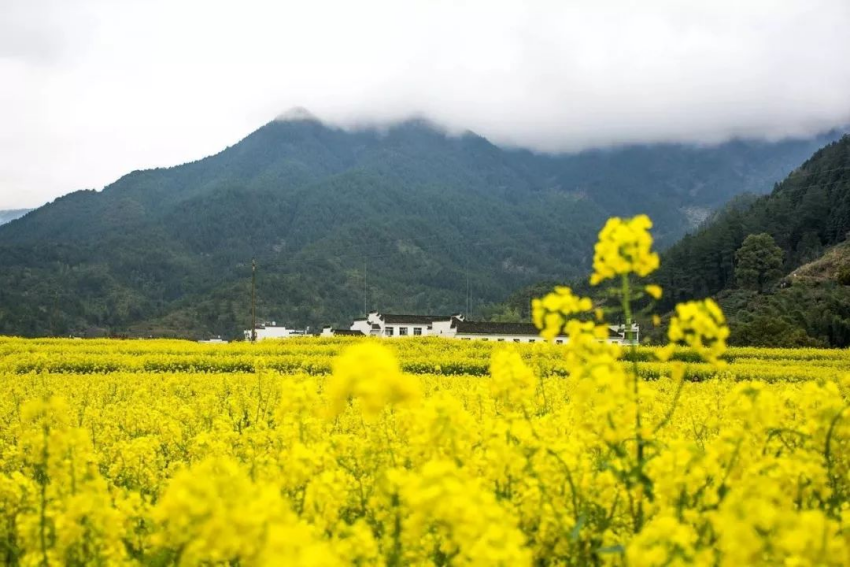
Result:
[
  {"x": 524, "y": 329},
  {"x": 346, "y": 332},
  {"x": 390, "y": 319},
  {"x": 485, "y": 328}
]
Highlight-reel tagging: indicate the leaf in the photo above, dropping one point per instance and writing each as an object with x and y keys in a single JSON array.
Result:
[
  {"x": 612, "y": 549},
  {"x": 574, "y": 533}
]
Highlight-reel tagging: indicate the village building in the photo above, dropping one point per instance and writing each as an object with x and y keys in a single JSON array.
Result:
[
  {"x": 388, "y": 325},
  {"x": 218, "y": 340},
  {"x": 332, "y": 332},
  {"x": 524, "y": 333},
  {"x": 499, "y": 332},
  {"x": 273, "y": 331},
  {"x": 395, "y": 326}
]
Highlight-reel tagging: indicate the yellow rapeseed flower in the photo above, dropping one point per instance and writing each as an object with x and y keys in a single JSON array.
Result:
[
  {"x": 653, "y": 291},
  {"x": 624, "y": 247},
  {"x": 369, "y": 372},
  {"x": 700, "y": 325},
  {"x": 551, "y": 312},
  {"x": 512, "y": 381}
]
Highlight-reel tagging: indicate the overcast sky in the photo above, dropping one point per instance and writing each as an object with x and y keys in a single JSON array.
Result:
[{"x": 92, "y": 89}]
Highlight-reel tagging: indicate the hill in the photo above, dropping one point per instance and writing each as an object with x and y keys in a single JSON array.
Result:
[
  {"x": 396, "y": 219},
  {"x": 807, "y": 217},
  {"x": 8, "y": 215}
]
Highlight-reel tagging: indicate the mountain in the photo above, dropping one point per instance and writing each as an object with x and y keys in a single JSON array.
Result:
[
  {"x": 9, "y": 215},
  {"x": 398, "y": 219},
  {"x": 807, "y": 217}
]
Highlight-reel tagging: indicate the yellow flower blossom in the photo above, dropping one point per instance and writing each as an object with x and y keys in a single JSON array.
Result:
[
  {"x": 653, "y": 291},
  {"x": 370, "y": 373},
  {"x": 551, "y": 312},
  {"x": 624, "y": 247},
  {"x": 701, "y": 326},
  {"x": 512, "y": 381}
]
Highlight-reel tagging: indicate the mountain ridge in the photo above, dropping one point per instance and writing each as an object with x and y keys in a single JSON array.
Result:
[
  {"x": 168, "y": 248},
  {"x": 8, "y": 215}
]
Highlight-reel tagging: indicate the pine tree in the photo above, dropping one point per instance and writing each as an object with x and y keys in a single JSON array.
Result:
[{"x": 758, "y": 262}]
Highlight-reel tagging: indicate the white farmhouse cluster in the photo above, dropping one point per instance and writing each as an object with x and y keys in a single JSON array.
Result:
[
  {"x": 273, "y": 331},
  {"x": 455, "y": 326}
]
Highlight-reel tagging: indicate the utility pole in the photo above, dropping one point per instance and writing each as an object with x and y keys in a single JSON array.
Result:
[
  {"x": 53, "y": 315},
  {"x": 365, "y": 313},
  {"x": 529, "y": 304},
  {"x": 253, "y": 302},
  {"x": 468, "y": 304}
]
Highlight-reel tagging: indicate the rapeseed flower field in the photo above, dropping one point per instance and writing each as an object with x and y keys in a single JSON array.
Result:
[{"x": 430, "y": 451}]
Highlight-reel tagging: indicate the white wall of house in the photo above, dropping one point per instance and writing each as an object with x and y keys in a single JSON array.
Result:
[
  {"x": 443, "y": 327},
  {"x": 501, "y": 338},
  {"x": 402, "y": 330},
  {"x": 622, "y": 329},
  {"x": 520, "y": 338},
  {"x": 273, "y": 332},
  {"x": 362, "y": 325},
  {"x": 374, "y": 325}
]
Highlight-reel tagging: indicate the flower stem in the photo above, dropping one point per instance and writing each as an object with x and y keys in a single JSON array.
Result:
[{"x": 639, "y": 440}]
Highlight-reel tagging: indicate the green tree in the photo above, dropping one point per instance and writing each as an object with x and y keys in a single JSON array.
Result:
[
  {"x": 758, "y": 261},
  {"x": 506, "y": 314}
]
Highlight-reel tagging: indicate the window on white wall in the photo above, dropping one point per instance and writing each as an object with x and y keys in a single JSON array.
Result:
[
  {"x": 403, "y": 331},
  {"x": 388, "y": 331},
  {"x": 418, "y": 331}
]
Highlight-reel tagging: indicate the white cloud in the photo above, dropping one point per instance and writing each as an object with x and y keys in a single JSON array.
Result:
[{"x": 93, "y": 88}]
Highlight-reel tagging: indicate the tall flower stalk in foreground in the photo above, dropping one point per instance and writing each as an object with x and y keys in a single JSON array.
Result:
[{"x": 624, "y": 254}]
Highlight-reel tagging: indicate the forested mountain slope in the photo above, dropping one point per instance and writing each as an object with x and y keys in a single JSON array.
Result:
[
  {"x": 807, "y": 217},
  {"x": 416, "y": 211},
  {"x": 805, "y": 214},
  {"x": 8, "y": 215}
]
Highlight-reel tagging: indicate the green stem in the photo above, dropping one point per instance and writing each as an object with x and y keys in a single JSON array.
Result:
[
  {"x": 828, "y": 458},
  {"x": 639, "y": 440},
  {"x": 670, "y": 413},
  {"x": 43, "y": 512}
]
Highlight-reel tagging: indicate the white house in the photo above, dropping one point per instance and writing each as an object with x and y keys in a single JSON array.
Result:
[
  {"x": 214, "y": 341},
  {"x": 499, "y": 332},
  {"x": 621, "y": 330},
  {"x": 272, "y": 331},
  {"x": 456, "y": 327},
  {"x": 521, "y": 333},
  {"x": 332, "y": 332},
  {"x": 394, "y": 326}
]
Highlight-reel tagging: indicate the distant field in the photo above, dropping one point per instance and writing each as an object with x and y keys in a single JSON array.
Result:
[
  {"x": 428, "y": 451},
  {"x": 417, "y": 356}
]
